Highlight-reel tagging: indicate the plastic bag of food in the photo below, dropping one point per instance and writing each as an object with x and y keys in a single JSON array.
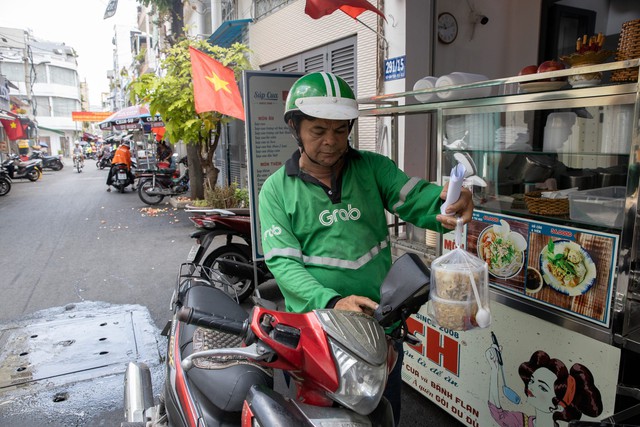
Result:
[{"x": 459, "y": 296}]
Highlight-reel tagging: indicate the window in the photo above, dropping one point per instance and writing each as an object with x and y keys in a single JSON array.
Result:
[
  {"x": 13, "y": 71},
  {"x": 228, "y": 10},
  {"x": 264, "y": 7},
  {"x": 338, "y": 58},
  {"x": 63, "y": 76},
  {"x": 62, "y": 107},
  {"x": 40, "y": 75},
  {"x": 41, "y": 103}
]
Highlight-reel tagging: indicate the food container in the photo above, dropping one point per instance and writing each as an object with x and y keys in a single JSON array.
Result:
[
  {"x": 459, "y": 295},
  {"x": 601, "y": 206},
  {"x": 455, "y": 315}
]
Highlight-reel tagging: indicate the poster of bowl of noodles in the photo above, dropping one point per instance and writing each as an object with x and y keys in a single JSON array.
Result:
[
  {"x": 567, "y": 267},
  {"x": 502, "y": 250}
]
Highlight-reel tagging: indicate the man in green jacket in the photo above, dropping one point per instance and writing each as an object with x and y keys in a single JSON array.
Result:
[{"x": 324, "y": 228}]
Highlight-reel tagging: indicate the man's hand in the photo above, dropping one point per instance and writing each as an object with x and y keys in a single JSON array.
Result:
[
  {"x": 463, "y": 208},
  {"x": 356, "y": 303}
]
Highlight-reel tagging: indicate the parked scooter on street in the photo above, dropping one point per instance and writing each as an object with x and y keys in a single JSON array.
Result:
[
  {"x": 5, "y": 182},
  {"x": 17, "y": 169},
  {"x": 220, "y": 359},
  {"x": 156, "y": 184},
  {"x": 228, "y": 223},
  {"x": 48, "y": 162}
]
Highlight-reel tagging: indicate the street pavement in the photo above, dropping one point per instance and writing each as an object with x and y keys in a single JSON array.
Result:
[{"x": 70, "y": 248}]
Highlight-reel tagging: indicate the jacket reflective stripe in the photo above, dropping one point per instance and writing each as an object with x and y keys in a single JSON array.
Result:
[
  {"x": 413, "y": 181},
  {"x": 327, "y": 261}
]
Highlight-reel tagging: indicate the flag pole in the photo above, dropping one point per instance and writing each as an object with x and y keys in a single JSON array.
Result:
[{"x": 375, "y": 31}]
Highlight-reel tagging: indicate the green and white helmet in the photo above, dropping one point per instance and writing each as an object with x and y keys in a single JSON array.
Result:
[{"x": 321, "y": 95}]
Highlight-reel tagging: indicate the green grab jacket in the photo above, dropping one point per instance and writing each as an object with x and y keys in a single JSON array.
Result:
[{"x": 322, "y": 243}]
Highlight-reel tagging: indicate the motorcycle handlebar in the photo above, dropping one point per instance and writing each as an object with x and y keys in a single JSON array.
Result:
[{"x": 196, "y": 317}]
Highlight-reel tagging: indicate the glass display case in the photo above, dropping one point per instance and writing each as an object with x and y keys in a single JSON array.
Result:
[
  {"x": 552, "y": 160},
  {"x": 553, "y": 164}
]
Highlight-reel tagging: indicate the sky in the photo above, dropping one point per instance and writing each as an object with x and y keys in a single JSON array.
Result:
[{"x": 79, "y": 24}]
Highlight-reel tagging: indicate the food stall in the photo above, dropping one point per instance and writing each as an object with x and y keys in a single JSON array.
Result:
[{"x": 556, "y": 165}]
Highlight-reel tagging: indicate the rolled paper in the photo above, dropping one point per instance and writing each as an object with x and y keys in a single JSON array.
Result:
[
  {"x": 458, "y": 78},
  {"x": 455, "y": 186}
]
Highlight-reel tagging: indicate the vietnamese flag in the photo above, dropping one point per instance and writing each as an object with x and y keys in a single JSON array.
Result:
[
  {"x": 214, "y": 86},
  {"x": 13, "y": 128},
  {"x": 319, "y": 8}
]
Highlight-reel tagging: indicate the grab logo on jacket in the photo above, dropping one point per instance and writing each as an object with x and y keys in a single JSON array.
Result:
[
  {"x": 274, "y": 230},
  {"x": 328, "y": 217}
]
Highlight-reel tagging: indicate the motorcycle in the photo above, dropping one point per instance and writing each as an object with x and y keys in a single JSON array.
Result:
[
  {"x": 156, "y": 184},
  {"x": 104, "y": 161},
  {"x": 48, "y": 162},
  {"x": 78, "y": 163},
  {"x": 120, "y": 176},
  {"x": 17, "y": 169},
  {"x": 228, "y": 223},
  {"x": 220, "y": 359},
  {"x": 5, "y": 182}
]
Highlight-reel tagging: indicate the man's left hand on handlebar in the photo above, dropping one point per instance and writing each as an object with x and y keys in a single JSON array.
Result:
[{"x": 356, "y": 303}]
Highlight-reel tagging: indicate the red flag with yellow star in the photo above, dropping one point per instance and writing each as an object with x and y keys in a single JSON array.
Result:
[
  {"x": 214, "y": 86},
  {"x": 13, "y": 128}
]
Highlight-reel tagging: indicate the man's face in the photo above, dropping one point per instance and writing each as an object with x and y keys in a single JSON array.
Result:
[{"x": 324, "y": 141}]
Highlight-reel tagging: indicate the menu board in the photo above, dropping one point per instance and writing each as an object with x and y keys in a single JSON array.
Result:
[
  {"x": 269, "y": 142},
  {"x": 569, "y": 269}
]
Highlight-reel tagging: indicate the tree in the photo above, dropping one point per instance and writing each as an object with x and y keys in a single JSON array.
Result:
[
  {"x": 171, "y": 11},
  {"x": 172, "y": 97}
]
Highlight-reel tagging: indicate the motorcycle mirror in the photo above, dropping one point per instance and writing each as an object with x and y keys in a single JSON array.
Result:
[{"x": 404, "y": 290}]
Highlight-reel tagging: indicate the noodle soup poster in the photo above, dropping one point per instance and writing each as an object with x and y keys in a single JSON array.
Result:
[{"x": 573, "y": 274}]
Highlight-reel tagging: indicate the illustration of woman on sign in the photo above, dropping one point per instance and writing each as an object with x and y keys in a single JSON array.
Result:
[{"x": 555, "y": 393}]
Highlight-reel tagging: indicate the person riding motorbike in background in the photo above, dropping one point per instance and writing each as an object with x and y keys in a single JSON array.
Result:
[
  {"x": 121, "y": 155},
  {"x": 77, "y": 152},
  {"x": 324, "y": 226}
]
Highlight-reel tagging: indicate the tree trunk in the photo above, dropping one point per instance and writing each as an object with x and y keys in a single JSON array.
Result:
[{"x": 196, "y": 176}]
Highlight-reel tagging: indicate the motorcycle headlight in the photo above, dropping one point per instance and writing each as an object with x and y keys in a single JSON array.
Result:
[
  {"x": 361, "y": 384},
  {"x": 359, "y": 347}
]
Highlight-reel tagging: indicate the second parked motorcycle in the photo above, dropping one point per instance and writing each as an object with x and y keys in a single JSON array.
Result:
[
  {"x": 229, "y": 223},
  {"x": 48, "y": 162},
  {"x": 17, "y": 169},
  {"x": 156, "y": 184}
]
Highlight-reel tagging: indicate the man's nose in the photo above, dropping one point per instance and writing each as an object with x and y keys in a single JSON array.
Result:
[{"x": 332, "y": 137}]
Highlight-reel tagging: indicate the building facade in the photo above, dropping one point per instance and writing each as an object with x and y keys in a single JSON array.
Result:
[{"x": 46, "y": 77}]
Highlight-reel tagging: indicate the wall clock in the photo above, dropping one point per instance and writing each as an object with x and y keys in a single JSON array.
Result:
[{"x": 447, "y": 28}]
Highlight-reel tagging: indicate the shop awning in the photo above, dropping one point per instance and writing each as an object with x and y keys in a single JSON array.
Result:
[
  {"x": 229, "y": 32},
  {"x": 59, "y": 132}
]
